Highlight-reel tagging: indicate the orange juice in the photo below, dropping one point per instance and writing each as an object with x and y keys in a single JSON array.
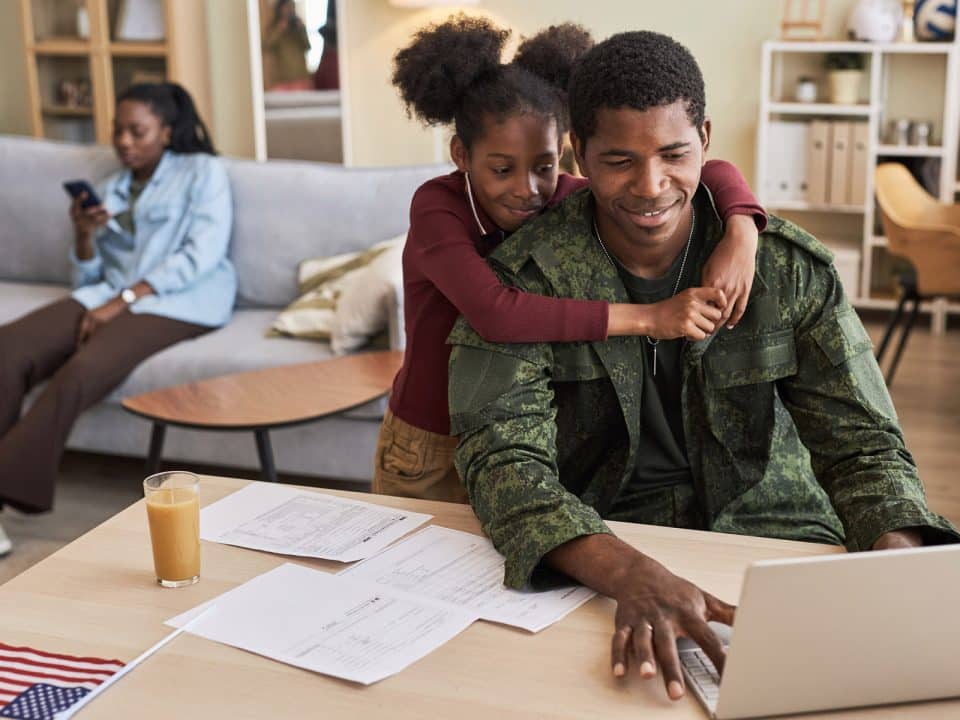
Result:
[{"x": 174, "y": 517}]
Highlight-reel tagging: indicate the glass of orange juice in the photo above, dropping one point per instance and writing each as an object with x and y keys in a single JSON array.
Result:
[{"x": 173, "y": 511}]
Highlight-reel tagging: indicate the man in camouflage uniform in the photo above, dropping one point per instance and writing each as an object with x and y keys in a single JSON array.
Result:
[{"x": 780, "y": 427}]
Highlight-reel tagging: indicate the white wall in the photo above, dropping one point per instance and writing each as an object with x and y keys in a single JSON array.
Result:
[
  {"x": 231, "y": 81},
  {"x": 724, "y": 35}
]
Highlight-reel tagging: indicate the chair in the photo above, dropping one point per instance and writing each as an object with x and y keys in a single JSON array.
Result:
[{"x": 927, "y": 234}]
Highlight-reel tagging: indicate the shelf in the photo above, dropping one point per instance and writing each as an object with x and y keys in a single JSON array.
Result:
[
  {"x": 67, "y": 110},
  {"x": 917, "y": 48},
  {"x": 139, "y": 49},
  {"x": 878, "y": 241},
  {"x": 795, "y": 108},
  {"x": 910, "y": 150},
  {"x": 61, "y": 46},
  {"x": 819, "y": 46},
  {"x": 810, "y": 46},
  {"x": 801, "y": 206}
]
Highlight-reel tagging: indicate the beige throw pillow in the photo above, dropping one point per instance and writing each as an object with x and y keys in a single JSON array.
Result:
[{"x": 344, "y": 298}]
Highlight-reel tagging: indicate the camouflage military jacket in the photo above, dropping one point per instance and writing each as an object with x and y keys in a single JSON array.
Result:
[{"x": 549, "y": 432}]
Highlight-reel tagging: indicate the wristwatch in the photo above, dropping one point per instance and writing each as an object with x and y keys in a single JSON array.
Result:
[{"x": 128, "y": 296}]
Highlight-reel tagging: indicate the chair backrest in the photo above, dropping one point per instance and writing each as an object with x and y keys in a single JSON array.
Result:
[{"x": 920, "y": 229}]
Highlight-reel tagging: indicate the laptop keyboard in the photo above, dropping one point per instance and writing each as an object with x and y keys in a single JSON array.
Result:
[{"x": 701, "y": 672}]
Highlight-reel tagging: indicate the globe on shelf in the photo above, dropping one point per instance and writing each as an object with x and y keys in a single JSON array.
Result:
[{"x": 935, "y": 20}]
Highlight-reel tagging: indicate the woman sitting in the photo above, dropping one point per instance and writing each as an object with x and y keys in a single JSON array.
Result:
[{"x": 150, "y": 269}]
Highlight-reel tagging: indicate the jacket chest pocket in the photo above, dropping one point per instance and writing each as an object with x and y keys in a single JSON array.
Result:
[
  {"x": 576, "y": 362},
  {"x": 156, "y": 216},
  {"x": 762, "y": 358}
]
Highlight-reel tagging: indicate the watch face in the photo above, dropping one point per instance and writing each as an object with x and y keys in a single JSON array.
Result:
[{"x": 128, "y": 296}]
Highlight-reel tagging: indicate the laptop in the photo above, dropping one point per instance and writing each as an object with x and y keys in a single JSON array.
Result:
[{"x": 833, "y": 632}]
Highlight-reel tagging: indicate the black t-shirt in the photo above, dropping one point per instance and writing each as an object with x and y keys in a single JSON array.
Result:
[{"x": 661, "y": 456}]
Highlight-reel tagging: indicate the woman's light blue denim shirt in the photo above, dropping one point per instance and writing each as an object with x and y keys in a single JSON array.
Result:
[{"x": 182, "y": 222}]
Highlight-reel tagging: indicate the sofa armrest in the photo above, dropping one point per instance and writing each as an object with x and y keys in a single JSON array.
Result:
[{"x": 395, "y": 325}]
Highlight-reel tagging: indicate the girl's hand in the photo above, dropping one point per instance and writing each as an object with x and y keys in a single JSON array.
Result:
[
  {"x": 731, "y": 266},
  {"x": 692, "y": 314}
]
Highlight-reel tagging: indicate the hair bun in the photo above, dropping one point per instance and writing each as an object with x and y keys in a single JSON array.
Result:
[
  {"x": 434, "y": 72},
  {"x": 552, "y": 53}
]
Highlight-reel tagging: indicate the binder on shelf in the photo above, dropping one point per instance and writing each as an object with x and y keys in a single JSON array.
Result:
[
  {"x": 840, "y": 133},
  {"x": 787, "y": 168},
  {"x": 859, "y": 163},
  {"x": 818, "y": 162}
]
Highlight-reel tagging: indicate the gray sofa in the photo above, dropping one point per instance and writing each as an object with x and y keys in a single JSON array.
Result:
[{"x": 284, "y": 212}]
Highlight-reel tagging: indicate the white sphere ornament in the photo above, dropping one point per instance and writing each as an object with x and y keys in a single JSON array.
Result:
[
  {"x": 935, "y": 20},
  {"x": 875, "y": 20}
]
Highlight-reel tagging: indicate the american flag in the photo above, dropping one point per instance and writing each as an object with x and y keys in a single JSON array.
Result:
[{"x": 35, "y": 685}]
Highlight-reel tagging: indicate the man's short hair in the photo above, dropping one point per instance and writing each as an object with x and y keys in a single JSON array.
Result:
[{"x": 635, "y": 70}]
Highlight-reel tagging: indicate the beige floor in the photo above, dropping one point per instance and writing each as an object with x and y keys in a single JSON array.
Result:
[{"x": 926, "y": 392}]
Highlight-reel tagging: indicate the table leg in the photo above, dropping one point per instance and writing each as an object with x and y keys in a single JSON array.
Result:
[
  {"x": 157, "y": 436},
  {"x": 267, "y": 471}
]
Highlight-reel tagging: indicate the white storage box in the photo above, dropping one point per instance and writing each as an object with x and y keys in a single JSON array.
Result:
[{"x": 847, "y": 263}]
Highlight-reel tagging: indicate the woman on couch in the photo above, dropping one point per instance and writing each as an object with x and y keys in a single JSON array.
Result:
[{"x": 150, "y": 270}]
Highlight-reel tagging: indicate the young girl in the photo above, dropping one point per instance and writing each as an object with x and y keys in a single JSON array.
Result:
[
  {"x": 150, "y": 270},
  {"x": 510, "y": 120}
]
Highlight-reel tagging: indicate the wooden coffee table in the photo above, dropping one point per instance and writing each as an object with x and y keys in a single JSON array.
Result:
[{"x": 262, "y": 400}]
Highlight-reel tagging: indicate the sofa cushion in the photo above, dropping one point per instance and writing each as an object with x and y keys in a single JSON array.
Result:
[
  {"x": 35, "y": 231},
  {"x": 17, "y": 299},
  {"x": 286, "y": 211}
]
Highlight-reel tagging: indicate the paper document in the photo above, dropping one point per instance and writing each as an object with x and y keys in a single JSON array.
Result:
[
  {"x": 328, "y": 623},
  {"x": 289, "y": 521},
  {"x": 466, "y": 571}
]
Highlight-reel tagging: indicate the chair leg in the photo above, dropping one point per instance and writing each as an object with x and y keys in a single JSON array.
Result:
[
  {"x": 891, "y": 326},
  {"x": 911, "y": 321}
]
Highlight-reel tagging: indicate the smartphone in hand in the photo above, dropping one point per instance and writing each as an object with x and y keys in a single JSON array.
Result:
[{"x": 75, "y": 188}]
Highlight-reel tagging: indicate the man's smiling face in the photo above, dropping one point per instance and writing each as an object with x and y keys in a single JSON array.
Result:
[{"x": 644, "y": 168}]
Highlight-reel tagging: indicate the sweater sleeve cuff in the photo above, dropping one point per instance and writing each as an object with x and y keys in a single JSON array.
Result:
[
  {"x": 898, "y": 515},
  {"x": 524, "y": 550},
  {"x": 758, "y": 214},
  {"x": 600, "y": 321}
]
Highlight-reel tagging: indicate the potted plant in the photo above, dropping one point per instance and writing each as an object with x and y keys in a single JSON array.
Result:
[{"x": 844, "y": 71}]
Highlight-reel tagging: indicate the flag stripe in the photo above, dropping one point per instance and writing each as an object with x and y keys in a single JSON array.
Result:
[
  {"x": 65, "y": 670},
  {"x": 70, "y": 658},
  {"x": 36, "y": 677}
]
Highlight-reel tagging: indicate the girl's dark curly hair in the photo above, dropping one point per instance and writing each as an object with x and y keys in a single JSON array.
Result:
[{"x": 452, "y": 72}]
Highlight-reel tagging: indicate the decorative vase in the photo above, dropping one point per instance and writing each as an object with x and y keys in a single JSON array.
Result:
[{"x": 844, "y": 86}]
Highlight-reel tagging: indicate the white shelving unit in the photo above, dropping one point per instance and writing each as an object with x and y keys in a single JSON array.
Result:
[{"x": 780, "y": 57}]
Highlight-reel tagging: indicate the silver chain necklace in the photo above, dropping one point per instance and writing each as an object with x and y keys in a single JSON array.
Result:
[{"x": 683, "y": 264}]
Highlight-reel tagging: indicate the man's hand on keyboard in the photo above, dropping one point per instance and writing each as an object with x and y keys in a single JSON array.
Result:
[{"x": 654, "y": 607}]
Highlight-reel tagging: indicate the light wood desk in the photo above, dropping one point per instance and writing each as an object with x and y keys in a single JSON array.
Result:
[{"x": 97, "y": 596}]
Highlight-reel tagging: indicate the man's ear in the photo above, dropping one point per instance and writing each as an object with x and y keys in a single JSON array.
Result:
[
  {"x": 459, "y": 153},
  {"x": 579, "y": 150},
  {"x": 165, "y": 134},
  {"x": 705, "y": 136}
]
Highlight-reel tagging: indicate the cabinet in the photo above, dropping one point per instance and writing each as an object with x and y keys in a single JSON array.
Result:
[
  {"x": 80, "y": 57},
  {"x": 911, "y": 81}
]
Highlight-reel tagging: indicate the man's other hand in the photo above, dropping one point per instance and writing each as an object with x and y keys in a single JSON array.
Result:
[
  {"x": 899, "y": 539},
  {"x": 654, "y": 606}
]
